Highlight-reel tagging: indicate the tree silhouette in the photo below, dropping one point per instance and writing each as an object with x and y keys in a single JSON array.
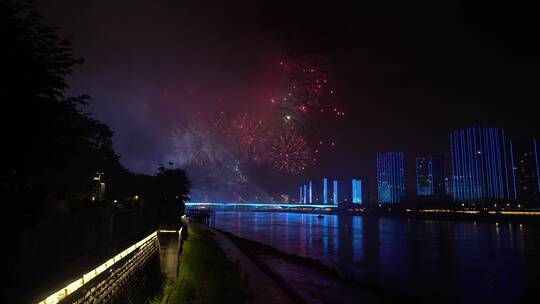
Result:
[
  {"x": 52, "y": 147},
  {"x": 53, "y": 150}
]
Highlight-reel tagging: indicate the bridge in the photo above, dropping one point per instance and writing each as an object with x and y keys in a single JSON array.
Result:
[{"x": 247, "y": 205}]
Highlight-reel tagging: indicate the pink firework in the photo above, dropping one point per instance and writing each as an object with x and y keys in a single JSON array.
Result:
[
  {"x": 305, "y": 95},
  {"x": 250, "y": 136},
  {"x": 290, "y": 153}
]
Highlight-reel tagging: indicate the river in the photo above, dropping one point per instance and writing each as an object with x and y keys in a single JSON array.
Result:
[{"x": 426, "y": 260}]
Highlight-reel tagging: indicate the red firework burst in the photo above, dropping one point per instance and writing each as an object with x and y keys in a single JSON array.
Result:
[
  {"x": 290, "y": 153},
  {"x": 251, "y": 136},
  {"x": 306, "y": 93}
]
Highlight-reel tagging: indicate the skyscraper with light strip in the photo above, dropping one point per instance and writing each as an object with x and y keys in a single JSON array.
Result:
[
  {"x": 481, "y": 165},
  {"x": 390, "y": 177}
]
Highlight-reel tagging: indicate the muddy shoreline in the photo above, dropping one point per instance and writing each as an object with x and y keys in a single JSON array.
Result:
[{"x": 260, "y": 254}]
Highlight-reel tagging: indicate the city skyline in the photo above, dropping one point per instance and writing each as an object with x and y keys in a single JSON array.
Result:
[{"x": 483, "y": 165}]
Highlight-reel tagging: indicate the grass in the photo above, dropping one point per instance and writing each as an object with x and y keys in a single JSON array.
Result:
[{"x": 205, "y": 273}]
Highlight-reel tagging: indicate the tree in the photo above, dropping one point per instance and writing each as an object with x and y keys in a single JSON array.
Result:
[
  {"x": 51, "y": 146},
  {"x": 173, "y": 184},
  {"x": 170, "y": 191}
]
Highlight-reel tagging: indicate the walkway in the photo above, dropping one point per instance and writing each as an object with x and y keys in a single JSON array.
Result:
[{"x": 256, "y": 283}]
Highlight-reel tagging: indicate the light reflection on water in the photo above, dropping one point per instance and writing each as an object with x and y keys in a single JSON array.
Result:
[{"x": 446, "y": 261}]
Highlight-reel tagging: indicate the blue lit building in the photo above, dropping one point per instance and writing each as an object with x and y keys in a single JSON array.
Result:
[
  {"x": 310, "y": 192},
  {"x": 326, "y": 195},
  {"x": 335, "y": 192},
  {"x": 358, "y": 191},
  {"x": 526, "y": 171},
  {"x": 481, "y": 165},
  {"x": 424, "y": 178},
  {"x": 448, "y": 184},
  {"x": 390, "y": 177},
  {"x": 430, "y": 175}
]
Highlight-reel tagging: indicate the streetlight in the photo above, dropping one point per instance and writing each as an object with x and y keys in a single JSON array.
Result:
[
  {"x": 98, "y": 176},
  {"x": 99, "y": 187}
]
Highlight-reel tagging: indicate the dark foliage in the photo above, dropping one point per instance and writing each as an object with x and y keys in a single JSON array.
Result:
[
  {"x": 52, "y": 148},
  {"x": 53, "y": 151}
]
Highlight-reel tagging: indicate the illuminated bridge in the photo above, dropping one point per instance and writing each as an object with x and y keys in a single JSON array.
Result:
[{"x": 259, "y": 206}]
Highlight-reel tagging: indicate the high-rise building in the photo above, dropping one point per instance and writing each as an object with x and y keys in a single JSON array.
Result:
[
  {"x": 356, "y": 195},
  {"x": 424, "y": 177},
  {"x": 319, "y": 192},
  {"x": 327, "y": 191},
  {"x": 430, "y": 175},
  {"x": 310, "y": 192},
  {"x": 390, "y": 177},
  {"x": 526, "y": 171},
  {"x": 448, "y": 185},
  {"x": 480, "y": 165},
  {"x": 335, "y": 191},
  {"x": 359, "y": 191}
]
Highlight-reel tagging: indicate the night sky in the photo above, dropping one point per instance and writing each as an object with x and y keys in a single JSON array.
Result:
[{"x": 405, "y": 73}]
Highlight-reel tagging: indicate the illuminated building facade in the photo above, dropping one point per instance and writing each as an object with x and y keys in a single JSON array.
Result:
[
  {"x": 310, "y": 192},
  {"x": 526, "y": 171},
  {"x": 335, "y": 192},
  {"x": 357, "y": 187},
  {"x": 480, "y": 165},
  {"x": 424, "y": 177},
  {"x": 448, "y": 185},
  {"x": 326, "y": 198},
  {"x": 329, "y": 191},
  {"x": 430, "y": 175},
  {"x": 390, "y": 177}
]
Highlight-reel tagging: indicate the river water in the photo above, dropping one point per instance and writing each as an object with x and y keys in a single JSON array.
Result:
[{"x": 426, "y": 260}]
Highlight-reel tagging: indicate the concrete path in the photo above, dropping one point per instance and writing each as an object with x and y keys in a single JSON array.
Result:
[{"x": 256, "y": 283}]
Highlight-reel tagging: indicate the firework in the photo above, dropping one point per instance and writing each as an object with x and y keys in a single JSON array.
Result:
[
  {"x": 246, "y": 136},
  {"x": 290, "y": 153},
  {"x": 196, "y": 145},
  {"x": 306, "y": 96},
  {"x": 282, "y": 137}
]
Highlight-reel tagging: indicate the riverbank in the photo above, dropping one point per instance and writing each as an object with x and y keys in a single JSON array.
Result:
[
  {"x": 307, "y": 280},
  {"x": 205, "y": 274}
]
